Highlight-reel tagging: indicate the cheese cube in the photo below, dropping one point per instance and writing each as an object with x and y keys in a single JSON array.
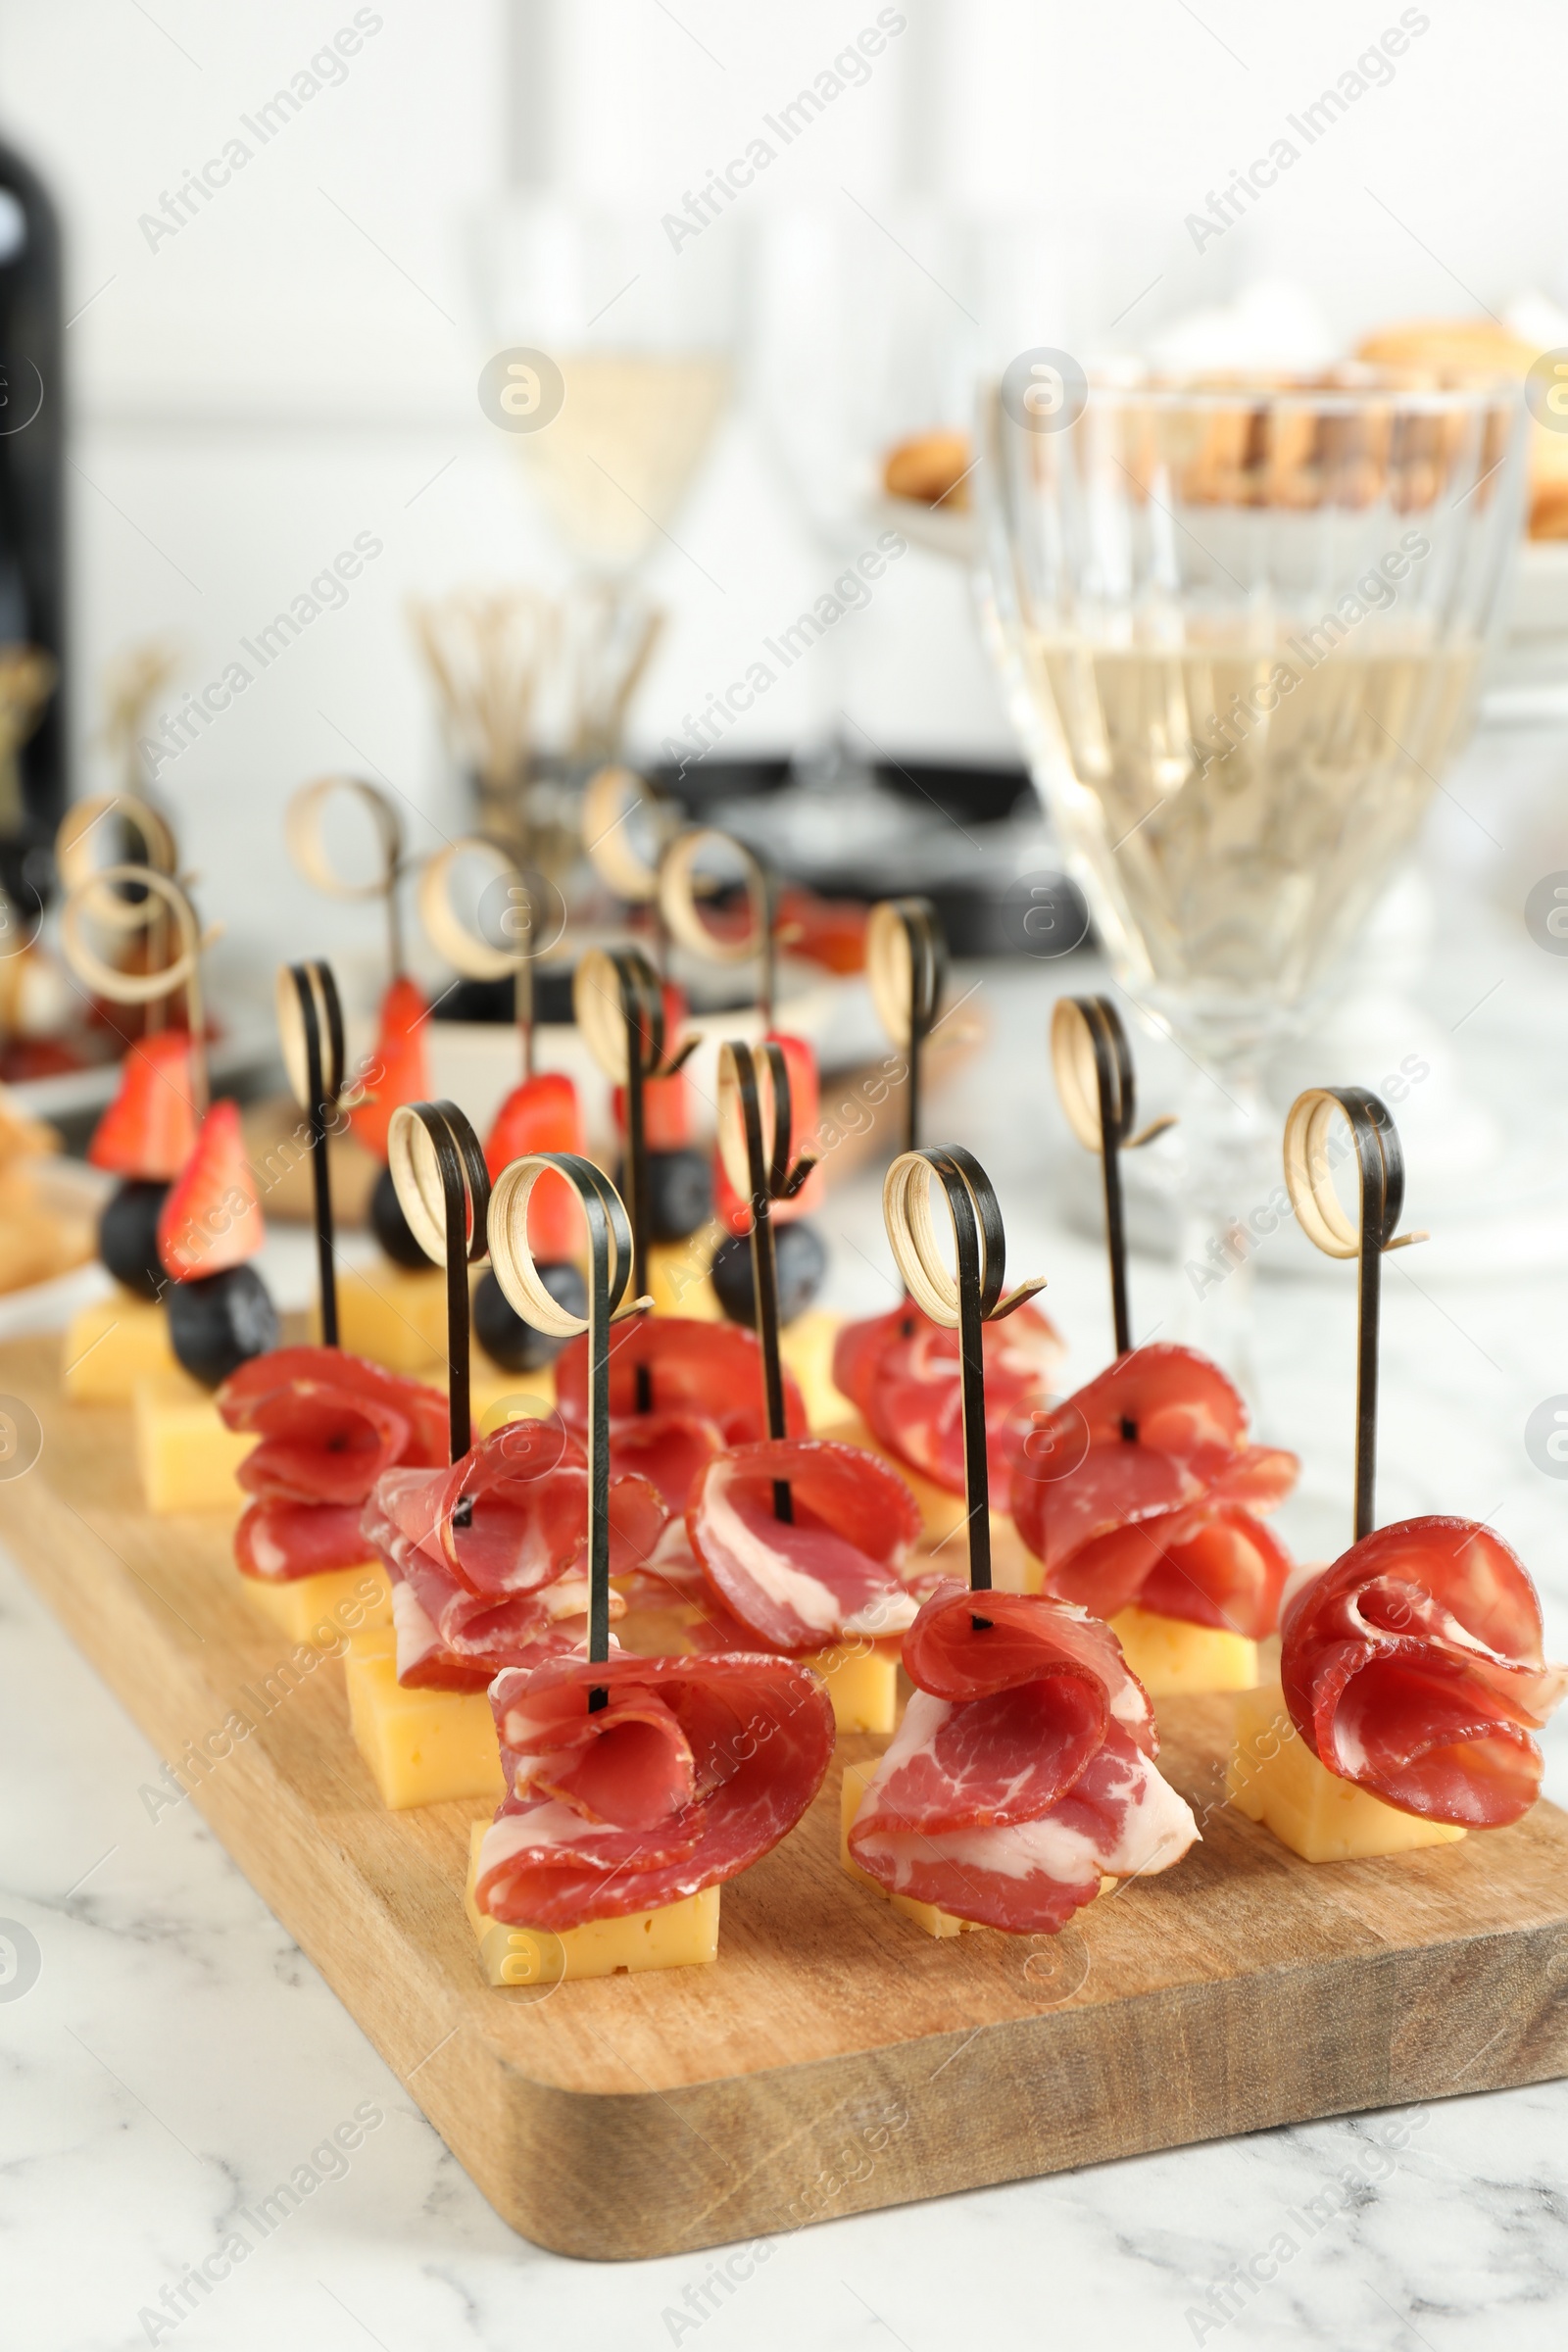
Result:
[
  {"x": 863, "y": 1683},
  {"x": 678, "y": 1279},
  {"x": 496, "y": 1398},
  {"x": 681, "y": 1935},
  {"x": 1275, "y": 1779},
  {"x": 110, "y": 1344},
  {"x": 652, "y": 1631},
  {"x": 1013, "y": 1567},
  {"x": 186, "y": 1457},
  {"x": 423, "y": 1747},
  {"x": 928, "y": 1916},
  {"x": 1169, "y": 1656},
  {"x": 396, "y": 1315},
  {"x": 340, "y": 1601},
  {"x": 806, "y": 1347}
]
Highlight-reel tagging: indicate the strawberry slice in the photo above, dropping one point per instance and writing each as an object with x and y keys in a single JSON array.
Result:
[
  {"x": 397, "y": 1071},
  {"x": 543, "y": 1114},
  {"x": 149, "y": 1130},
  {"x": 666, "y": 1102},
  {"x": 667, "y": 1112},
  {"x": 211, "y": 1219}
]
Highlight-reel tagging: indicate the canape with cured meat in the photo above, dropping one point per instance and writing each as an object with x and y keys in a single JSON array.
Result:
[
  {"x": 1023, "y": 1772},
  {"x": 679, "y": 1391},
  {"x": 1414, "y": 1668},
  {"x": 488, "y": 1555},
  {"x": 1142, "y": 1491},
  {"x": 742, "y": 1577},
  {"x": 902, "y": 1373},
  {"x": 327, "y": 1425},
  {"x": 829, "y": 1573},
  {"x": 634, "y": 1783}
]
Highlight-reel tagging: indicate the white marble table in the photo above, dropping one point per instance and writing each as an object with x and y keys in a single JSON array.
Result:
[{"x": 177, "y": 2056}]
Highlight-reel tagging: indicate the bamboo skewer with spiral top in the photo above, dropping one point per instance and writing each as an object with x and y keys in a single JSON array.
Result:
[
  {"x": 98, "y": 898},
  {"x": 522, "y": 920},
  {"x": 304, "y": 832},
  {"x": 610, "y": 1263},
  {"x": 1309, "y": 1178},
  {"x": 444, "y": 1188},
  {"x": 310, "y": 1026},
  {"x": 961, "y": 1297},
  {"x": 619, "y": 1007},
  {"x": 906, "y": 971},
  {"x": 78, "y": 843},
  {"x": 758, "y": 1167},
  {"x": 1092, "y": 1063},
  {"x": 680, "y": 902}
]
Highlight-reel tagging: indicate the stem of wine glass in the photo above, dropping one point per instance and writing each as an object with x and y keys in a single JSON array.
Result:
[
  {"x": 1227, "y": 1205},
  {"x": 833, "y": 759}
]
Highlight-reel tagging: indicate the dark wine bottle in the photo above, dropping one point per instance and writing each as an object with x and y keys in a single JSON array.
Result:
[{"x": 32, "y": 552}]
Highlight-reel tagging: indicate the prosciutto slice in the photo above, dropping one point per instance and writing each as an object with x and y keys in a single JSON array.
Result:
[
  {"x": 1415, "y": 1667},
  {"x": 700, "y": 1389},
  {"x": 694, "y": 1770},
  {"x": 901, "y": 1372},
  {"x": 279, "y": 1541},
  {"x": 828, "y": 1574},
  {"x": 1142, "y": 1491},
  {"x": 329, "y": 1424},
  {"x": 1023, "y": 1770},
  {"x": 488, "y": 1557}
]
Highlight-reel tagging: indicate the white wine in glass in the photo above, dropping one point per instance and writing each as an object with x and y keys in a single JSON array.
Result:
[
  {"x": 612, "y": 468},
  {"x": 1242, "y": 626}
]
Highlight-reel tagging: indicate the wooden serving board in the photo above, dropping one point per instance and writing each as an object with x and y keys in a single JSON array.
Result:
[{"x": 834, "y": 2059}]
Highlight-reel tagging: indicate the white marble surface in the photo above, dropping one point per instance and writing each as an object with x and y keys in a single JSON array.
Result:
[{"x": 177, "y": 2055}]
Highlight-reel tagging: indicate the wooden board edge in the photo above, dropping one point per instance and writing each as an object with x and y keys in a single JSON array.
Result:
[
  {"x": 715, "y": 2164},
  {"x": 726, "y": 2160}
]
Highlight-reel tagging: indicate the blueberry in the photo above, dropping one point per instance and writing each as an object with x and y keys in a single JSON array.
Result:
[
  {"x": 128, "y": 1236},
  {"x": 391, "y": 1227},
  {"x": 219, "y": 1322},
  {"x": 680, "y": 1193},
  {"x": 802, "y": 1263},
  {"x": 503, "y": 1334}
]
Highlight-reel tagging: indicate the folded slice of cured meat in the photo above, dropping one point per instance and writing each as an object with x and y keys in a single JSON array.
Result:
[
  {"x": 830, "y": 1572},
  {"x": 1142, "y": 1491},
  {"x": 488, "y": 1557},
  {"x": 694, "y": 1770},
  {"x": 1415, "y": 1667},
  {"x": 679, "y": 1390},
  {"x": 281, "y": 1541},
  {"x": 1023, "y": 1770},
  {"x": 329, "y": 1424},
  {"x": 901, "y": 1372}
]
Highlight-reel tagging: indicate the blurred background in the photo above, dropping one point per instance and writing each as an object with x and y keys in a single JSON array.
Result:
[
  {"x": 297, "y": 364},
  {"x": 305, "y": 500}
]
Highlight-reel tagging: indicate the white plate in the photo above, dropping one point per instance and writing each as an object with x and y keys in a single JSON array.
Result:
[
  {"x": 952, "y": 533},
  {"x": 478, "y": 1063},
  {"x": 1532, "y": 653}
]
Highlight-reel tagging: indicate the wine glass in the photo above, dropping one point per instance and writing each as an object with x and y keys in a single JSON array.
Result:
[
  {"x": 614, "y": 374},
  {"x": 637, "y": 349},
  {"x": 1241, "y": 624}
]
